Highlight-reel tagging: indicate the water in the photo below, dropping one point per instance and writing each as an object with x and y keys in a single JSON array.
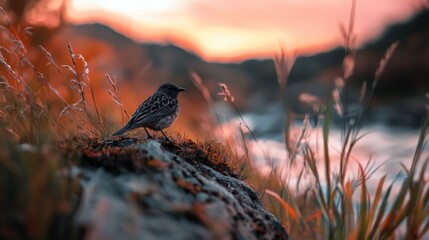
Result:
[{"x": 383, "y": 148}]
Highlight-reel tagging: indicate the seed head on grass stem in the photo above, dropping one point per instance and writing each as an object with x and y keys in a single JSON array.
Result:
[
  {"x": 224, "y": 91},
  {"x": 116, "y": 97},
  {"x": 80, "y": 71},
  {"x": 383, "y": 62},
  {"x": 283, "y": 64},
  {"x": 229, "y": 98}
]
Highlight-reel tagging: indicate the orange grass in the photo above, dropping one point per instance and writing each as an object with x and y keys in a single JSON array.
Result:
[{"x": 34, "y": 113}]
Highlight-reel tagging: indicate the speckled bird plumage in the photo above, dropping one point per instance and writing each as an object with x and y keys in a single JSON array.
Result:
[{"x": 157, "y": 112}]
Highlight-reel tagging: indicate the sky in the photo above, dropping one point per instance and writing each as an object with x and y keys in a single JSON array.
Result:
[{"x": 224, "y": 30}]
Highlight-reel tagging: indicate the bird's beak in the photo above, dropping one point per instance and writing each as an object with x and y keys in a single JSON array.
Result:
[{"x": 181, "y": 89}]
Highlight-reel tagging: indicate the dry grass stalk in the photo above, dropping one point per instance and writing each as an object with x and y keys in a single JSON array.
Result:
[
  {"x": 78, "y": 81},
  {"x": 116, "y": 96},
  {"x": 198, "y": 82},
  {"x": 383, "y": 62},
  {"x": 224, "y": 91},
  {"x": 313, "y": 101},
  {"x": 283, "y": 65}
]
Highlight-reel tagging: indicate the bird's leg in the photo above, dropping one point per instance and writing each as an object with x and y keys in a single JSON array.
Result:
[
  {"x": 149, "y": 134},
  {"x": 166, "y": 136}
]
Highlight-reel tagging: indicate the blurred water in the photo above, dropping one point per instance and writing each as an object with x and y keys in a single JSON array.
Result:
[{"x": 384, "y": 148}]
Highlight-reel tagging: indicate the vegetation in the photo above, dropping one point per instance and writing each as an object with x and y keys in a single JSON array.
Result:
[
  {"x": 43, "y": 107},
  {"x": 337, "y": 205}
]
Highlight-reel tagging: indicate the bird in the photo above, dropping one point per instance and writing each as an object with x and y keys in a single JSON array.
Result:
[{"x": 157, "y": 112}]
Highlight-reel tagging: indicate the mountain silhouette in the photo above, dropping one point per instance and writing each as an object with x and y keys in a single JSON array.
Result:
[{"x": 404, "y": 81}]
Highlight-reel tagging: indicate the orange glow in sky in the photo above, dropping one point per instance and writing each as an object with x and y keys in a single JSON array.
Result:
[{"x": 225, "y": 30}]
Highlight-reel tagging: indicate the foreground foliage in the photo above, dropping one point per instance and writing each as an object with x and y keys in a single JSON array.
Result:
[{"x": 38, "y": 199}]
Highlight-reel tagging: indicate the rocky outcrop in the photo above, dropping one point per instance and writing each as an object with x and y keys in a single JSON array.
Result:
[{"x": 144, "y": 189}]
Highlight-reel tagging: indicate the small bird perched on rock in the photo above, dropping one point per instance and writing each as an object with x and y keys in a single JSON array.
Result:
[{"x": 157, "y": 112}]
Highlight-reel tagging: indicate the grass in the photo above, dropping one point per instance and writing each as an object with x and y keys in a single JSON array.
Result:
[
  {"x": 337, "y": 205},
  {"x": 35, "y": 202},
  {"x": 41, "y": 103},
  {"x": 38, "y": 198}
]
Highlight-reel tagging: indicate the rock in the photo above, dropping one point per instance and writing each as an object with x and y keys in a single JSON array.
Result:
[{"x": 138, "y": 189}]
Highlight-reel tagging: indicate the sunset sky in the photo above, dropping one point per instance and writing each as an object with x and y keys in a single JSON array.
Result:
[{"x": 232, "y": 30}]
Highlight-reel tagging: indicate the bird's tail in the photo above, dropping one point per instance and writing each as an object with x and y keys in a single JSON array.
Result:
[{"x": 123, "y": 130}]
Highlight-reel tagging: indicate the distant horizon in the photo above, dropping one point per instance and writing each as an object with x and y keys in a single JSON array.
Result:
[
  {"x": 240, "y": 58},
  {"x": 218, "y": 33},
  {"x": 236, "y": 59}
]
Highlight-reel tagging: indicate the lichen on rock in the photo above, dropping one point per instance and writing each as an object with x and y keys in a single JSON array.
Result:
[{"x": 144, "y": 189}]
